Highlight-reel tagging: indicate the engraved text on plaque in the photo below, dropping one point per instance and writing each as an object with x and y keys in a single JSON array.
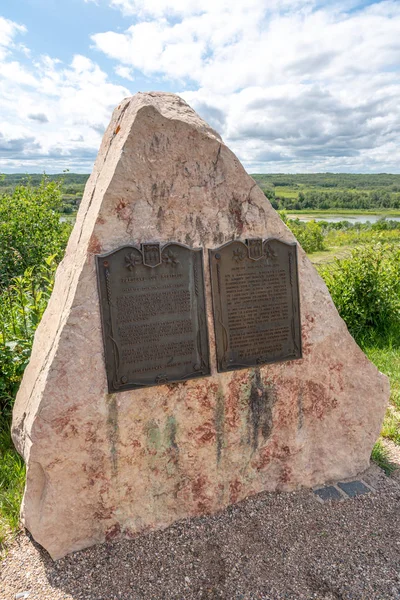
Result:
[
  {"x": 153, "y": 315},
  {"x": 256, "y": 303}
]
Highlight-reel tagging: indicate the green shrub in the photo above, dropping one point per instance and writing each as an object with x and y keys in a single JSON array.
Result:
[
  {"x": 366, "y": 290},
  {"x": 12, "y": 481},
  {"x": 380, "y": 455},
  {"x": 30, "y": 228},
  {"x": 22, "y": 305},
  {"x": 309, "y": 234}
]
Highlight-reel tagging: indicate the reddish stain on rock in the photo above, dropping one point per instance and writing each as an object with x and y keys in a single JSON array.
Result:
[
  {"x": 272, "y": 452},
  {"x": 103, "y": 513},
  {"x": 123, "y": 211},
  {"x": 232, "y": 410},
  {"x": 95, "y": 473},
  {"x": 317, "y": 401},
  {"x": 199, "y": 487},
  {"x": 306, "y": 328},
  {"x": 336, "y": 373},
  {"x": 235, "y": 487},
  {"x": 205, "y": 433},
  {"x": 94, "y": 245},
  {"x": 113, "y": 532},
  {"x": 64, "y": 425},
  {"x": 205, "y": 396},
  {"x": 236, "y": 210},
  {"x": 263, "y": 459},
  {"x": 286, "y": 474},
  {"x": 53, "y": 463}
]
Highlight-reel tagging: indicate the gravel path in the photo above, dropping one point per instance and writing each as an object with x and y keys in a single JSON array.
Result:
[{"x": 271, "y": 546}]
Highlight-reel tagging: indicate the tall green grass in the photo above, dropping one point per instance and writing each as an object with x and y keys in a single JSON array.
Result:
[
  {"x": 366, "y": 290},
  {"x": 12, "y": 481},
  {"x": 22, "y": 305}
]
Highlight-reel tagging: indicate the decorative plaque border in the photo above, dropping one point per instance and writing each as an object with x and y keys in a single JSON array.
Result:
[
  {"x": 111, "y": 267},
  {"x": 276, "y": 255}
]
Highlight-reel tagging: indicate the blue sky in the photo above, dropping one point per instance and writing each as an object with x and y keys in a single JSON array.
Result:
[{"x": 291, "y": 85}]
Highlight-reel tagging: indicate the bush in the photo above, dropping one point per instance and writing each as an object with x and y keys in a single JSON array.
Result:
[
  {"x": 12, "y": 481},
  {"x": 30, "y": 228},
  {"x": 309, "y": 234},
  {"x": 21, "y": 307},
  {"x": 366, "y": 290}
]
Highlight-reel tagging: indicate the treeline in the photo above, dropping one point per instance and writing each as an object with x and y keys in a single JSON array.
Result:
[
  {"x": 35, "y": 179},
  {"x": 72, "y": 186},
  {"x": 330, "y": 180},
  {"x": 380, "y": 225},
  {"x": 317, "y": 191},
  {"x": 323, "y": 200},
  {"x": 324, "y": 191}
]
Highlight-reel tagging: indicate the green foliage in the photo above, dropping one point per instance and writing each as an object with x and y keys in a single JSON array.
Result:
[
  {"x": 331, "y": 191},
  {"x": 380, "y": 456},
  {"x": 21, "y": 307},
  {"x": 30, "y": 231},
  {"x": 71, "y": 184},
  {"x": 12, "y": 480},
  {"x": 388, "y": 181},
  {"x": 387, "y": 358},
  {"x": 309, "y": 234},
  {"x": 30, "y": 228},
  {"x": 391, "y": 426},
  {"x": 351, "y": 236},
  {"x": 366, "y": 290}
]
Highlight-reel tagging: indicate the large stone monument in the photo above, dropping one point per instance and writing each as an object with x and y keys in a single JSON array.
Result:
[{"x": 190, "y": 354}]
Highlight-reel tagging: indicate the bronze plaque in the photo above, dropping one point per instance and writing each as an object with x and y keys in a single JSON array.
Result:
[
  {"x": 153, "y": 315},
  {"x": 256, "y": 303}
]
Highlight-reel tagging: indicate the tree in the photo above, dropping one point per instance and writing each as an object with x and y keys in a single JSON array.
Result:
[{"x": 30, "y": 228}]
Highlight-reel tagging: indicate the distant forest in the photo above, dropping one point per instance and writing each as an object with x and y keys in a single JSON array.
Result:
[
  {"x": 322, "y": 191},
  {"x": 318, "y": 191}
]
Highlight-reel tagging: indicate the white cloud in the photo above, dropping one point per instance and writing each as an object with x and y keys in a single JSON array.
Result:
[
  {"x": 52, "y": 115},
  {"x": 185, "y": 8},
  {"x": 124, "y": 72},
  {"x": 299, "y": 85},
  {"x": 8, "y": 30}
]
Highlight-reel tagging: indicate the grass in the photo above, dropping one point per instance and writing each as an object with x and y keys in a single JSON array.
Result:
[
  {"x": 284, "y": 192},
  {"x": 387, "y": 359},
  {"x": 380, "y": 456},
  {"x": 329, "y": 255},
  {"x": 12, "y": 481},
  {"x": 340, "y": 243}
]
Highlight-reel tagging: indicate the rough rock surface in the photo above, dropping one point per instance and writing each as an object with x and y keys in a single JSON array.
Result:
[{"x": 102, "y": 465}]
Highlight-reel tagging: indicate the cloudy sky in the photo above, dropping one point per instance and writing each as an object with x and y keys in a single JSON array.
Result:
[{"x": 291, "y": 85}]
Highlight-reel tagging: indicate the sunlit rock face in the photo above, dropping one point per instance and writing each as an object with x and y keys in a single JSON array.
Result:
[{"x": 102, "y": 465}]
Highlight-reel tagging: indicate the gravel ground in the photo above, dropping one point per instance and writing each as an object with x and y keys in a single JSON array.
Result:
[{"x": 271, "y": 546}]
